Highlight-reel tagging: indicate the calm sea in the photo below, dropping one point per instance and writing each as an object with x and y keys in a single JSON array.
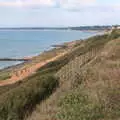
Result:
[{"x": 16, "y": 44}]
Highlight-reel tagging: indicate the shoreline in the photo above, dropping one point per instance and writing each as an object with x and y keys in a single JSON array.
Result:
[
  {"x": 27, "y": 61},
  {"x": 25, "y": 69},
  {"x": 26, "y": 72},
  {"x": 52, "y": 47},
  {"x": 50, "y": 30}
]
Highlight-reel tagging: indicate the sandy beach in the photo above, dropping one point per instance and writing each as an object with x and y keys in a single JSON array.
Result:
[{"x": 21, "y": 74}]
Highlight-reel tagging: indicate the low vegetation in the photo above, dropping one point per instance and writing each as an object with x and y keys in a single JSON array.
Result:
[
  {"x": 82, "y": 85},
  {"x": 89, "y": 83},
  {"x": 95, "y": 87},
  {"x": 15, "y": 103},
  {"x": 4, "y": 76},
  {"x": 78, "y": 106}
]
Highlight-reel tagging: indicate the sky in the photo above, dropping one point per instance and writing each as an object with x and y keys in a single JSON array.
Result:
[{"x": 58, "y": 13}]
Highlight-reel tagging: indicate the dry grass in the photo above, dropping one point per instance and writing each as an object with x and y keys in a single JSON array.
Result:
[{"x": 89, "y": 84}]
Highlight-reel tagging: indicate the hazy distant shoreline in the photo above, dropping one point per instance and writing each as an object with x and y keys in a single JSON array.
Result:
[{"x": 80, "y": 28}]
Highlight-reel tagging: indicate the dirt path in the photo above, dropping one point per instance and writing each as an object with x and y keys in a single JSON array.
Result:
[{"x": 20, "y": 75}]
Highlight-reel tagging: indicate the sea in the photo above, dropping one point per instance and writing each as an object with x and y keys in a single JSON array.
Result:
[{"x": 23, "y": 43}]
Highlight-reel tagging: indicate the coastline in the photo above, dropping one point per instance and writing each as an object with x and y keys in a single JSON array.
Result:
[
  {"x": 39, "y": 42},
  {"x": 52, "y": 47},
  {"x": 16, "y": 73}
]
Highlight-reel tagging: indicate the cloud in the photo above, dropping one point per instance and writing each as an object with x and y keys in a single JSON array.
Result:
[
  {"x": 76, "y": 4},
  {"x": 60, "y": 3},
  {"x": 27, "y": 3}
]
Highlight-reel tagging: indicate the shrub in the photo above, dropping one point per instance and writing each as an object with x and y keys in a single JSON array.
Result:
[
  {"x": 115, "y": 34},
  {"x": 15, "y": 103},
  {"x": 77, "y": 106}
]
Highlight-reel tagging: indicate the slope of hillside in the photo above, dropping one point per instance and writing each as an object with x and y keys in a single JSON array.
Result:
[
  {"x": 97, "y": 88},
  {"x": 89, "y": 83},
  {"x": 81, "y": 85}
]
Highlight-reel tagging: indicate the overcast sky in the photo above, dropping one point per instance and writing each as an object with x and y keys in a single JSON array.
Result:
[{"x": 58, "y": 13}]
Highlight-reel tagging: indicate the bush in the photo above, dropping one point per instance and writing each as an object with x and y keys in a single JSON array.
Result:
[
  {"x": 77, "y": 106},
  {"x": 15, "y": 103},
  {"x": 115, "y": 34}
]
